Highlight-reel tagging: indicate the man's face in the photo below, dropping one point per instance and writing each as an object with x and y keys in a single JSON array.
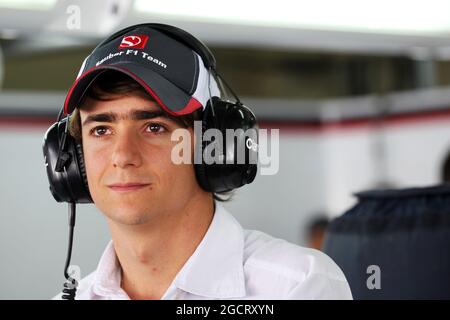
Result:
[{"x": 127, "y": 151}]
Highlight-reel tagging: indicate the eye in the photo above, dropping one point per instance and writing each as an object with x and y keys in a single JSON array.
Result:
[
  {"x": 99, "y": 131},
  {"x": 155, "y": 128}
]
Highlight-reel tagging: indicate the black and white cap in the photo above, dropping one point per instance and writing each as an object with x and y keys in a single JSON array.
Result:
[{"x": 172, "y": 73}]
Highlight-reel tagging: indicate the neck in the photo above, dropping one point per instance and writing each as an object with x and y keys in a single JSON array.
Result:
[{"x": 152, "y": 254}]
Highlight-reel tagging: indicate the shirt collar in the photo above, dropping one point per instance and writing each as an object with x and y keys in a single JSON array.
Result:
[
  {"x": 214, "y": 270},
  {"x": 107, "y": 280}
]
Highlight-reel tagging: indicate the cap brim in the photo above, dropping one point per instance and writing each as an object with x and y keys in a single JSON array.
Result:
[{"x": 170, "y": 97}]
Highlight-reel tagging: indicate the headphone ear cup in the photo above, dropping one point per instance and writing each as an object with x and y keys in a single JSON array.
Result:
[
  {"x": 50, "y": 148},
  {"x": 70, "y": 183},
  {"x": 76, "y": 172},
  {"x": 239, "y": 163}
]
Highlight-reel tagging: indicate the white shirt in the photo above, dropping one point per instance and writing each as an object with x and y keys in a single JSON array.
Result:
[{"x": 233, "y": 263}]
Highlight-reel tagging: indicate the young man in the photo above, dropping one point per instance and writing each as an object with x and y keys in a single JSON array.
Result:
[{"x": 171, "y": 239}]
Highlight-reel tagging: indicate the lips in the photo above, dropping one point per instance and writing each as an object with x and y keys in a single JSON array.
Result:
[{"x": 127, "y": 187}]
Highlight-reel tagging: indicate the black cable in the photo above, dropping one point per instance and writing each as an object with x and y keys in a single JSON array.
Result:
[{"x": 70, "y": 287}]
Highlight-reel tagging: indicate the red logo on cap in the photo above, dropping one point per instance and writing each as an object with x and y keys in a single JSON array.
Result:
[{"x": 134, "y": 41}]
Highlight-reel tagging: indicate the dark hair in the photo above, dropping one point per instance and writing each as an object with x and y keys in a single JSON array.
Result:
[{"x": 111, "y": 84}]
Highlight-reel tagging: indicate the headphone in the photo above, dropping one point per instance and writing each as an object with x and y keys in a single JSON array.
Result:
[{"x": 64, "y": 158}]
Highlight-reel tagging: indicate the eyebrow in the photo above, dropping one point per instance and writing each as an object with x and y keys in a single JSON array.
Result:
[{"x": 133, "y": 115}]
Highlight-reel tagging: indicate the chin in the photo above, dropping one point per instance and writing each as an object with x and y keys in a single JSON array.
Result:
[
  {"x": 130, "y": 218},
  {"x": 126, "y": 212}
]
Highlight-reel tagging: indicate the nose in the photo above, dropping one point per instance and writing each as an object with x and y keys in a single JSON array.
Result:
[{"x": 126, "y": 151}]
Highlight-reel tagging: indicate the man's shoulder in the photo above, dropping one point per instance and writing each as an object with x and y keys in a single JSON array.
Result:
[
  {"x": 84, "y": 285},
  {"x": 276, "y": 255}
]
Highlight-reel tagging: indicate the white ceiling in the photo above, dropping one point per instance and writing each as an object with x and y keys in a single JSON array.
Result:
[{"x": 417, "y": 28}]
